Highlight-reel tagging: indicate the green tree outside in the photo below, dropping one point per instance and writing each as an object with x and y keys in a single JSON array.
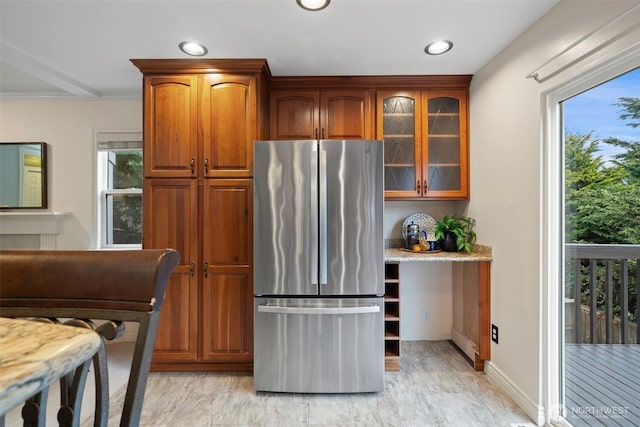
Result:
[
  {"x": 602, "y": 201},
  {"x": 127, "y": 209}
]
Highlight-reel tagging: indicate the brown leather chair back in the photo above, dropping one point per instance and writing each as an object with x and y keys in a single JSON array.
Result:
[
  {"x": 122, "y": 280},
  {"x": 83, "y": 286}
]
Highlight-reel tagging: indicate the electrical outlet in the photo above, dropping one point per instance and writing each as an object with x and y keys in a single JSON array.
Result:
[
  {"x": 494, "y": 333},
  {"x": 426, "y": 315}
]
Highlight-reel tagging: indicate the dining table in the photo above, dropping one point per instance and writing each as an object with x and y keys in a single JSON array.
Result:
[{"x": 35, "y": 354}]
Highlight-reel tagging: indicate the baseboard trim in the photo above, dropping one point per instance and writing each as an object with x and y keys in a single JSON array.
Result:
[
  {"x": 467, "y": 346},
  {"x": 531, "y": 408}
]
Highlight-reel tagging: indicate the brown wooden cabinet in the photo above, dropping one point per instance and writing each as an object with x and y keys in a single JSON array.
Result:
[
  {"x": 170, "y": 126},
  {"x": 327, "y": 114},
  {"x": 227, "y": 276},
  {"x": 198, "y": 154},
  {"x": 426, "y": 143},
  {"x": 229, "y": 127},
  {"x": 171, "y": 221},
  {"x": 224, "y": 267}
]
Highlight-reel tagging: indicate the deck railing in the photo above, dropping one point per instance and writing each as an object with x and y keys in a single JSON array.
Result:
[{"x": 602, "y": 282}]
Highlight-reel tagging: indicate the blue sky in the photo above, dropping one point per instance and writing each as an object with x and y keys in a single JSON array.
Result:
[{"x": 593, "y": 111}]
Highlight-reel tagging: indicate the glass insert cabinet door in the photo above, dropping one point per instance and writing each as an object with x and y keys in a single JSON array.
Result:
[
  {"x": 398, "y": 123},
  {"x": 445, "y": 157},
  {"x": 426, "y": 148}
]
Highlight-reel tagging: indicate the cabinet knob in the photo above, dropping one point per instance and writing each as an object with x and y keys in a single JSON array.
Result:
[
  {"x": 315, "y": 133},
  {"x": 205, "y": 270},
  {"x": 418, "y": 187},
  {"x": 424, "y": 186},
  {"x": 193, "y": 166},
  {"x": 206, "y": 165},
  {"x": 192, "y": 268},
  {"x": 322, "y": 133}
]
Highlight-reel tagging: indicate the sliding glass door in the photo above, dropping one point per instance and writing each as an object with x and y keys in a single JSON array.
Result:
[{"x": 599, "y": 310}]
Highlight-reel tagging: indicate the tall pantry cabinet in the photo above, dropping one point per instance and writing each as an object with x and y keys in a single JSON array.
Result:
[{"x": 200, "y": 120}]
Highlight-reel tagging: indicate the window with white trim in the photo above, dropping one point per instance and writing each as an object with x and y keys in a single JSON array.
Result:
[{"x": 119, "y": 166}]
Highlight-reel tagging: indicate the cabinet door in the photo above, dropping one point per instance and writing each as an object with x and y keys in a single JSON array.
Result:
[
  {"x": 445, "y": 157},
  {"x": 170, "y": 221},
  {"x": 227, "y": 317},
  {"x": 345, "y": 115},
  {"x": 398, "y": 123},
  {"x": 342, "y": 114},
  {"x": 229, "y": 115},
  {"x": 170, "y": 126},
  {"x": 294, "y": 115},
  {"x": 227, "y": 312}
]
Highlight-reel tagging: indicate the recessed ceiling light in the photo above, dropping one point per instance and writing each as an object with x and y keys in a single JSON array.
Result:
[
  {"x": 313, "y": 4},
  {"x": 193, "y": 48},
  {"x": 438, "y": 47}
]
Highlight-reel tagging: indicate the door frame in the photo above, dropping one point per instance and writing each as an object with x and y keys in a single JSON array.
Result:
[{"x": 552, "y": 260}]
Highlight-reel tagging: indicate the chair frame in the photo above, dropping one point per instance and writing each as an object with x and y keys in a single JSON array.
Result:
[{"x": 116, "y": 286}]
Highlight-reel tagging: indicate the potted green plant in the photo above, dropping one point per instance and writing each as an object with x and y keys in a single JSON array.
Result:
[{"x": 455, "y": 233}]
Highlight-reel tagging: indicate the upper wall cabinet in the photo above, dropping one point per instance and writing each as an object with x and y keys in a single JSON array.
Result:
[
  {"x": 170, "y": 126},
  {"x": 426, "y": 143},
  {"x": 228, "y": 112},
  {"x": 327, "y": 114},
  {"x": 423, "y": 120},
  {"x": 202, "y": 116}
]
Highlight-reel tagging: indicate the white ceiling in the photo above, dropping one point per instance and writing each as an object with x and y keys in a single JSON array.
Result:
[{"x": 81, "y": 48}]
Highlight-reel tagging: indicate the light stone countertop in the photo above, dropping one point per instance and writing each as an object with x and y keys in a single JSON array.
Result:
[
  {"x": 33, "y": 355},
  {"x": 479, "y": 253}
]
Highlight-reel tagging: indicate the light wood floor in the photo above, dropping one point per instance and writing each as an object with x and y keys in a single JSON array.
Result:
[{"x": 435, "y": 387}]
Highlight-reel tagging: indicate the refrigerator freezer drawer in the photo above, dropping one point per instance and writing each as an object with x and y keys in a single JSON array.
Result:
[{"x": 319, "y": 345}]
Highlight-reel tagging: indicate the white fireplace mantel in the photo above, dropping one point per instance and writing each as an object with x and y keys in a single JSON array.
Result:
[{"x": 44, "y": 224}]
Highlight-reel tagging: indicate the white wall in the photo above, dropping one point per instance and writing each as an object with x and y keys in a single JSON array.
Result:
[
  {"x": 67, "y": 127},
  {"x": 506, "y": 165}
]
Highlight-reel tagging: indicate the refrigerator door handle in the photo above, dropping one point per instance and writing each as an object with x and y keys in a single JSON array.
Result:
[
  {"x": 314, "y": 218},
  {"x": 373, "y": 308},
  {"x": 323, "y": 217}
]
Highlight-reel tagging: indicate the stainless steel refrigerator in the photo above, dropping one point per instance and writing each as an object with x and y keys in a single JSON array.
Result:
[{"x": 318, "y": 266}]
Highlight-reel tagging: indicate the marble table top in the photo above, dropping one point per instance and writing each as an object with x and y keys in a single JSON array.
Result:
[{"x": 34, "y": 354}]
